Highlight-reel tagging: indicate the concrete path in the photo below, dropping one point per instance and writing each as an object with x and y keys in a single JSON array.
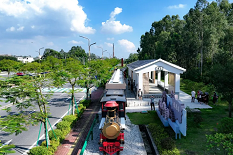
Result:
[{"x": 184, "y": 98}]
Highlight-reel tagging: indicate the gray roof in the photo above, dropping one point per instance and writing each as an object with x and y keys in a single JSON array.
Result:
[{"x": 140, "y": 63}]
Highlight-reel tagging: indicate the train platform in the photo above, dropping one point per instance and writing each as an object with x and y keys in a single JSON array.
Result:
[
  {"x": 73, "y": 143},
  {"x": 184, "y": 98}
]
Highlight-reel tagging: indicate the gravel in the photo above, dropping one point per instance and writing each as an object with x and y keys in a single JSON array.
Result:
[{"x": 133, "y": 141}]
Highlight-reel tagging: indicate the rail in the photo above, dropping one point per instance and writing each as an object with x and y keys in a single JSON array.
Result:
[{"x": 89, "y": 133}]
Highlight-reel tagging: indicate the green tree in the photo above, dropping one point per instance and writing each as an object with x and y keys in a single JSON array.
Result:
[
  {"x": 8, "y": 65},
  {"x": 27, "y": 94},
  {"x": 221, "y": 77},
  {"x": 71, "y": 72}
]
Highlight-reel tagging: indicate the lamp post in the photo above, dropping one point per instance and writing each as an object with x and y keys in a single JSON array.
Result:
[
  {"x": 39, "y": 53},
  {"x": 89, "y": 45},
  {"x": 102, "y": 51}
]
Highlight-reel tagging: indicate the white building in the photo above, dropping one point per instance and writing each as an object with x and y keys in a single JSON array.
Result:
[
  {"x": 25, "y": 60},
  {"x": 144, "y": 72}
]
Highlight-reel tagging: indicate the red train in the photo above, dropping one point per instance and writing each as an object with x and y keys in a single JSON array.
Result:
[{"x": 112, "y": 123}]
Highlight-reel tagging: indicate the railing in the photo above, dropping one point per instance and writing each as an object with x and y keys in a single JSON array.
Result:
[
  {"x": 155, "y": 95},
  {"x": 89, "y": 133}
]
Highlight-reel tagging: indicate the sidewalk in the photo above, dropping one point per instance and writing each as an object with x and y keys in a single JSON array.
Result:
[
  {"x": 184, "y": 98},
  {"x": 76, "y": 138}
]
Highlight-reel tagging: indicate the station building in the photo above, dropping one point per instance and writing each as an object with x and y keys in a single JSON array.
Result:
[{"x": 154, "y": 76}]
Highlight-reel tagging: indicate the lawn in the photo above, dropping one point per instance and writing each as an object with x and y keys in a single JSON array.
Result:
[{"x": 195, "y": 141}]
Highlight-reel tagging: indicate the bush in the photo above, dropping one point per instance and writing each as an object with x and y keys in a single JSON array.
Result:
[
  {"x": 197, "y": 118},
  {"x": 63, "y": 125},
  {"x": 85, "y": 102},
  {"x": 58, "y": 133},
  {"x": 226, "y": 125},
  {"x": 168, "y": 143},
  {"x": 158, "y": 134},
  {"x": 70, "y": 118},
  {"x": 39, "y": 150},
  {"x": 175, "y": 151},
  {"x": 53, "y": 145}
]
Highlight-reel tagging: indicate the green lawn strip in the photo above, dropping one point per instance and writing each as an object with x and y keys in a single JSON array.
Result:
[
  {"x": 195, "y": 141},
  {"x": 144, "y": 119}
]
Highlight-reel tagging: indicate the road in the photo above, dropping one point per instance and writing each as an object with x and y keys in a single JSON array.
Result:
[{"x": 59, "y": 105}]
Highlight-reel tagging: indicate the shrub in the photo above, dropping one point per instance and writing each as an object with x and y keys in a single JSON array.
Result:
[
  {"x": 197, "y": 118},
  {"x": 58, "y": 133},
  {"x": 85, "y": 102},
  {"x": 53, "y": 145},
  {"x": 158, "y": 134},
  {"x": 168, "y": 143},
  {"x": 226, "y": 125},
  {"x": 70, "y": 118},
  {"x": 39, "y": 150},
  {"x": 175, "y": 151},
  {"x": 63, "y": 125}
]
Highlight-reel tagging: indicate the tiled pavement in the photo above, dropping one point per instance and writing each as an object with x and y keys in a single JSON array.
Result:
[{"x": 75, "y": 140}]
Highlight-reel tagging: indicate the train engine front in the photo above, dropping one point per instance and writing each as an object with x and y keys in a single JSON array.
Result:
[{"x": 112, "y": 135}]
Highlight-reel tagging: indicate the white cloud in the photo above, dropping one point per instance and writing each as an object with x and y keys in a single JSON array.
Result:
[
  {"x": 11, "y": 29},
  {"x": 110, "y": 38},
  {"x": 180, "y": 6},
  {"x": 75, "y": 42},
  {"x": 68, "y": 14},
  {"x": 50, "y": 44},
  {"x": 129, "y": 46},
  {"x": 115, "y": 27},
  {"x": 20, "y": 28},
  {"x": 108, "y": 44}
]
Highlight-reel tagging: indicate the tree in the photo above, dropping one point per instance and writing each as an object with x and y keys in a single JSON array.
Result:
[
  {"x": 8, "y": 65},
  {"x": 132, "y": 57},
  {"x": 71, "y": 72},
  {"x": 77, "y": 52},
  {"x": 221, "y": 78},
  {"x": 27, "y": 94}
]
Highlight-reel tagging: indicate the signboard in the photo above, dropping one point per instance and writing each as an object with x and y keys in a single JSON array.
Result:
[{"x": 159, "y": 68}]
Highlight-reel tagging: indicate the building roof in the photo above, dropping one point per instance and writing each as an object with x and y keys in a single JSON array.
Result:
[
  {"x": 144, "y": 63},
  {"x": 140, "y": 63}
]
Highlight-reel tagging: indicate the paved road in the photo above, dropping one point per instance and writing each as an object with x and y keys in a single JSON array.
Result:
[{"x": 58, "y": 104}]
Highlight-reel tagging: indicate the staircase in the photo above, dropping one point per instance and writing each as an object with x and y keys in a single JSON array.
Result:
[{"x": 136, "y": 103}]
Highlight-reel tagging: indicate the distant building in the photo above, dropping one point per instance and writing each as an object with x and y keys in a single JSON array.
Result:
[{"x": 25, "y": 60}]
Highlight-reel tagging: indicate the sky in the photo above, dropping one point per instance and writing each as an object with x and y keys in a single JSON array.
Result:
[{"x": 29, "y": 26}]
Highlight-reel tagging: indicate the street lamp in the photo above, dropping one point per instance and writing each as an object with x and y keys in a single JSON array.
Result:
[
  {"x": 39, "y": 53},
  {"x": 89, "y": 45},
  {"x": 102, "y": 51}
]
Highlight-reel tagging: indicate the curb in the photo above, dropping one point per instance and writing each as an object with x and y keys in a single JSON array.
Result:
[{"x": 153, "y": 146}]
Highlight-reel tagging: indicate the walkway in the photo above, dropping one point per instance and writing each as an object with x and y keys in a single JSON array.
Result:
[
  {"x": 184, "y": 98},
  {"x": 75, "y": 139}
]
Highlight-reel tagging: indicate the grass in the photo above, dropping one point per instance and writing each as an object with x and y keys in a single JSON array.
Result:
[
  {"x": 144, "y": 119},
  {"x": 195, "y": 141}
]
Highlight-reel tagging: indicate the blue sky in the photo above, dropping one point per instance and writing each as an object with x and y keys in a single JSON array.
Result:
[{"x": 28, "y": 25}]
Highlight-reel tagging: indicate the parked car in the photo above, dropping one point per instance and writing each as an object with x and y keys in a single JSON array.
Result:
[
  {"x": 20, "y": 74},
  {"x": 44, "y": 72}
]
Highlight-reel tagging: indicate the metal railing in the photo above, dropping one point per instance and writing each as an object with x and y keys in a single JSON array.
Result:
[{"x": 89, "y": 133}]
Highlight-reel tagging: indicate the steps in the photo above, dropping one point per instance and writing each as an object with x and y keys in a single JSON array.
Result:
[{"x": 136, "y": 103}]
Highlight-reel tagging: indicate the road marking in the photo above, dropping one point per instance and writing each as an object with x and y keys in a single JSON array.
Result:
[{"x": 25, "y": 153}]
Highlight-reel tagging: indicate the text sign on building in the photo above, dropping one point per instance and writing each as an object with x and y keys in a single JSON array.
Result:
[{"x": 159, "y": 68}]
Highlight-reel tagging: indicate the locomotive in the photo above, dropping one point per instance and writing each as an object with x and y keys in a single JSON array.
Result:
[{"x": 113, "y": 118}]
